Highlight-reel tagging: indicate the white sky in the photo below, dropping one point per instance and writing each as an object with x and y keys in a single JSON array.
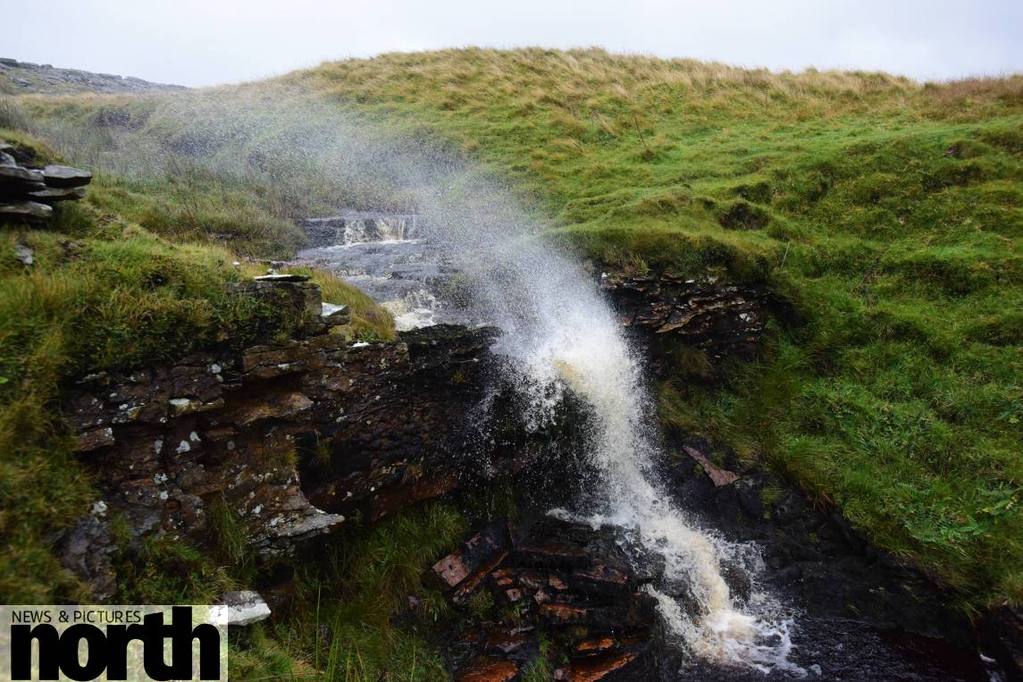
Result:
[{"x": 203, "y": 42}]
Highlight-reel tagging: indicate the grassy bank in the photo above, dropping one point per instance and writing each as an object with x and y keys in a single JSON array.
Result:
[
  {"x": 889, "y": 212},
  {"x": 102, "y": 293}
]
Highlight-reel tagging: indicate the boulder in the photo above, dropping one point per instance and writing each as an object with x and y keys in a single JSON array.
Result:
[
  {"x": 26, "y": 194},
  {"x": 10, "y": 174}
]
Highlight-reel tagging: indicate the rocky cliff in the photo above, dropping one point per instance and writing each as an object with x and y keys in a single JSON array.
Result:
[{"x": 294, "y": 437}]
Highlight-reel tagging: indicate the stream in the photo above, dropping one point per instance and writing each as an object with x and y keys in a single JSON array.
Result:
[{"x": 749, "y": 601}]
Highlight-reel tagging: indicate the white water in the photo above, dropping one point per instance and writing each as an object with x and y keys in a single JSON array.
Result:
[
  {"x": 580, "y": 346},
  {"x": 563, "y": 335}
]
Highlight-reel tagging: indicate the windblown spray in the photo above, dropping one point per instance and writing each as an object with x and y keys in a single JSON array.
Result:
[{"x": 558, "y": 331}]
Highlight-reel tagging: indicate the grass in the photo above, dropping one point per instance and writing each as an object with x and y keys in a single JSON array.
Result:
[
  {"x": 888, "y": 212},
  {"x": 103, "y": 294},
  {"x": 340, "y": 624}
]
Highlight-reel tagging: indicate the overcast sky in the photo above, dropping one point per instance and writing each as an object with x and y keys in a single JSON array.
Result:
[{"x": 204, "y": 42}]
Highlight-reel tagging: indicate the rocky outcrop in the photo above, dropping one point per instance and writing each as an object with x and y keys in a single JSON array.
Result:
[
  {"x": 28, "y": 192},
  {"x": 566, "y": 583},
  {"x": 669, "y": 312},
  {"x": 24, "y": 77},
  {"x": 289, "y": 439}
]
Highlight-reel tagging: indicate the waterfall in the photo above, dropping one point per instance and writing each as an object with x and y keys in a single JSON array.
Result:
[{"x": 562, "y": 336}]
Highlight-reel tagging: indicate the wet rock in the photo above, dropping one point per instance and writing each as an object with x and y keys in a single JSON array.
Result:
[
  {"x": 356, "y": 227},
  {"x": 465, "y": 569},
  {"x": 245, "y": 607},
  {"x": 570, "y": 585},
  {"x": 295, "y": 437},
  {"x": 719, "y": 477},
  {"x": 591, "y": 669},
  {"x": 276, "y": 406},
  {"x": 1003, "y": 633},
  {"x": 94, "y": 439}
]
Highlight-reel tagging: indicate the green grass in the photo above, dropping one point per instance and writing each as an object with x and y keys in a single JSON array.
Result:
[
  {"x": 340, "y": 622},
  {"x": 103, "y": 294},
  {"x": 889, "y": 213}
]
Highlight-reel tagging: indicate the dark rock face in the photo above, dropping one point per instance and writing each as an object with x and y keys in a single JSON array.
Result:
[
  {"x": 667, "y": 311},
  {"x": 864, "y": 614},
  {"x": 292, "y": 438},
  {"x": 28, "y": 193},
  {"x": 1002, "y": 630},
  {"x": 565, "y": 582}
]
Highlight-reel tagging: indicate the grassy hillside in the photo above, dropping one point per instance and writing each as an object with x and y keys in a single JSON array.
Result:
[{"x": 889, "y": 212}]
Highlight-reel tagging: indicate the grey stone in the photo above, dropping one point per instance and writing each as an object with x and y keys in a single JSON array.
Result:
[
  {"x": 59, "y": 194},
  {"x": 26, "y": 209},
  {"x": 245, "y": 607},
  {"x": 282, "y": 277},
  {"x": 335, "y": 315},
  {"x": 66, "y": 176},
  {"x": 24, "y": 254},
  {"x": 19, "y": 174}
]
